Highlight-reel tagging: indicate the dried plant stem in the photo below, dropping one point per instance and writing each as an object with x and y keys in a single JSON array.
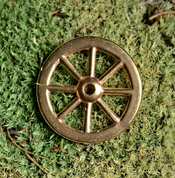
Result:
[
  {"x": 58, "y": 3},
  {"x": 160, "y": 6},
  {"x": 26, "y": 150},
  {"x": 79, "y": 159},
  {"x": 55, "y": 12},
  {"x": 35, "y": 162},
  {"x": 161, "y": 13},
  {"x": 16, "y": 174},
  {"x": 88, "y": 26},
  {"x": 136, "y": 37},
  {"x": 13, "y": 60},
  {"x": 157, "y": 21},
  {"x": 23, "y": 130}
]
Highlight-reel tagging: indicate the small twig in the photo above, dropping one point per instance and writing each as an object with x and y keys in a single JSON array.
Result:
[
  {"x": 16, "y": 174},
  {"x": 36, "y": 163},
  {"x": 160, "y": 6},
  {"x": 58, "y": 14},
  {"x": 13, "y": 60},
  {"x": 136, "y": 38},
  {"x": 161, "y": 13},
  {"x": 23, "y": 130},
  {"x": 14, "y": 132},
  {"x": 61, "y": 15},
  {"x": 58, "y": 3},
  {"x": 55, "y": 12},
  {"x": 95, "y": 29},
  {"x": 80, "y": 152},
  {"x": 157, "y": 21},
  {"x": 88, "y": 26},
  {"x": 26, "y": 150},
  {"x": 79, "y": 160}
]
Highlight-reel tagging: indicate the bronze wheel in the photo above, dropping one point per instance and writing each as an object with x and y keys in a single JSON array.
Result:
[{"x": 89, "y": 89}]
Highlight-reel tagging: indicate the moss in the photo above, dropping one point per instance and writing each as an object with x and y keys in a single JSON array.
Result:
[{"x": 29, "y": 33}]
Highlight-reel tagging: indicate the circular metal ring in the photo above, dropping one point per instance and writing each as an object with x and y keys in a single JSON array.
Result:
[{"x": 89, "y": 89}]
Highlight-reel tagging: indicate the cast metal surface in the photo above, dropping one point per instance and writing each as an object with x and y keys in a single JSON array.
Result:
[{"x": 89, "y": 89}]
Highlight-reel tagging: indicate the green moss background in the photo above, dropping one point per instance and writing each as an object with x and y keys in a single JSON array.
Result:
[{"x": 29, "y": 33}]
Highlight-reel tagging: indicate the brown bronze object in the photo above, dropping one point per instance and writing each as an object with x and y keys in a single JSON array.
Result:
[{"x": 89, "y": 90}]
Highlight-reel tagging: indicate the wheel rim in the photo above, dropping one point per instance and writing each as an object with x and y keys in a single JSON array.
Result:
[{"x": 89, "y": 89}]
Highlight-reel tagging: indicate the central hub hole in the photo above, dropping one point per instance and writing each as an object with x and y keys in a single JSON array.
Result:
[{"x": 90, "y": 89}]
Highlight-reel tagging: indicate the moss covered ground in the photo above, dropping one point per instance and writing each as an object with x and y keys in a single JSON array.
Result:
[{"x": 29, "y": 32}]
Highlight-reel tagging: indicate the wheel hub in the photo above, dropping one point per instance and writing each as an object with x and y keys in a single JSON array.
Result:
[{"x": 89, "y": 89}]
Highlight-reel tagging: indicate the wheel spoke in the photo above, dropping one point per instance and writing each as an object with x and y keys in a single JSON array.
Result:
[
  {"x": 113, "y": 69},
  {"x": 87, "y": 117},
  {"x": 91, "y": 61},
  {"x": 112, "y": 116},
  {"x": 70, "y": 68},
  {"x": 62, "y": 88},
  {"x": 71, "y": 106},
  {"x": 117, "y": 91}
]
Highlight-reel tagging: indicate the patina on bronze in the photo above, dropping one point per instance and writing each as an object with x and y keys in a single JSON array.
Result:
[{"x": 89, "y": 89}]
